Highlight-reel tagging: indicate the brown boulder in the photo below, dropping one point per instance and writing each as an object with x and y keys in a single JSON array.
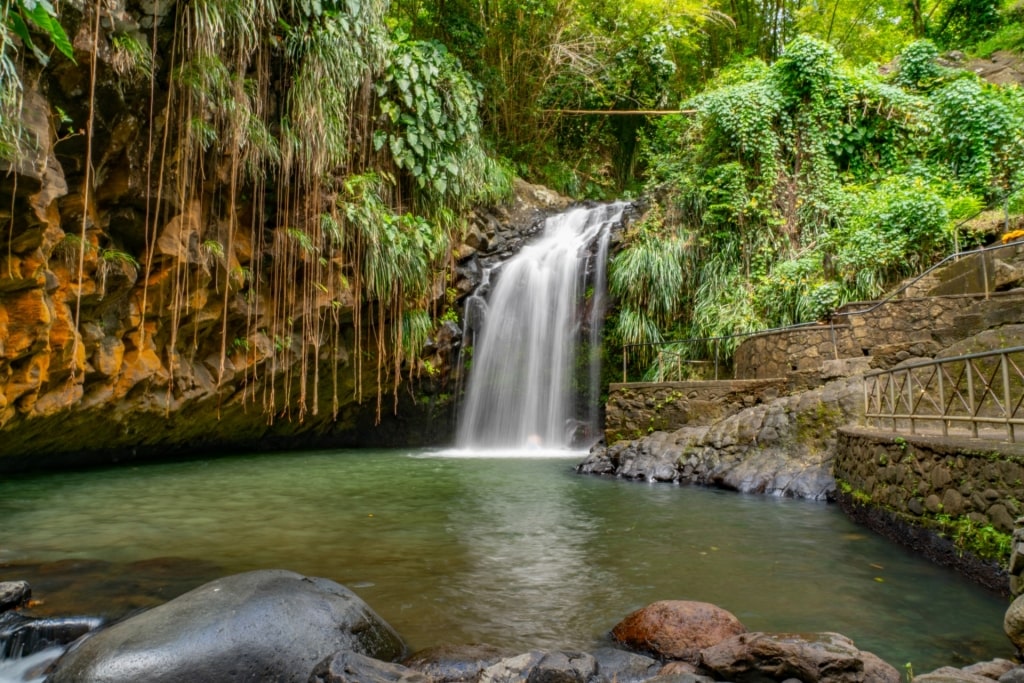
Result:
[
  {"x": 821, "y": 657},
  {"x": 677, "y": 629}
]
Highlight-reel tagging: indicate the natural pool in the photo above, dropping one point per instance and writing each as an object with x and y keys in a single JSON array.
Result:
[{"x": 519, "y": 552}]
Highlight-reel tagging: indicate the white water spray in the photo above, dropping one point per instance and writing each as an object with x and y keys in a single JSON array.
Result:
[{"x": 521, "y": 387}]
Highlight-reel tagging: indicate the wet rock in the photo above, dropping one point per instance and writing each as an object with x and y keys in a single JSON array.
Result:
[
  {"x": 1013, "y": 623},
  {"x": 677, "y": 667},
  {"x": 949, "y": 674},
  {"x": 262, "y": 625},
  {"x": 677, "y": 629},
  {"x": 1014, "y": 675},
  {"x": 619, "y": 666},
  {"x": 450, "y": 663},
  {"x": 824, "y": 657},
  {"x": 351, "y": 667},
  {"x": 14, "y": 594},
  {"x": 539, "y": 666},
  {"x": 681, "y": 678},
  {"x": 992, "y": 669}
]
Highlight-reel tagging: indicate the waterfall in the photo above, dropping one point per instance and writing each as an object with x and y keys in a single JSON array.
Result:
[
  {"x": 524, "y": 376},
  {"x": 29, "y": 645}
]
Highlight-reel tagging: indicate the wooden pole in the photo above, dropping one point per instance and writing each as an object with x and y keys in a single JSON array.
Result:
[{"x": 620, "y": 112}]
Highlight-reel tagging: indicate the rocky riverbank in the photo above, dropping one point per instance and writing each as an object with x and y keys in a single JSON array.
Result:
[
  {"x": 781, "y": 447},
  {"x": 281, "y": 626}
]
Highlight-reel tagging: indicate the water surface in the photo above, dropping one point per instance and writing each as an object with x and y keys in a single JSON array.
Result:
[{"x": 510, "y": 551}]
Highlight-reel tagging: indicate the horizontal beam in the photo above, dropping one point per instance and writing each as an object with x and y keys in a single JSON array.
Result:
[{"x": 620, "y": 112}]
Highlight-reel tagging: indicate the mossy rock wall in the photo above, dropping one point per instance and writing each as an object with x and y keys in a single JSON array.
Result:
[
  {"x": 966, "y": 491},
  {"x": 637, "y": 409}
]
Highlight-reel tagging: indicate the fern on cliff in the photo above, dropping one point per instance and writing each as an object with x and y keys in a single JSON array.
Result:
[{"x": 342, "y": 219}]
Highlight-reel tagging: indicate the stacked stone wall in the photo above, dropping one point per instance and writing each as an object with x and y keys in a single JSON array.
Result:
[
  {"x": 891, "y": 333},
  {"x": 637, "y": 409},
  {"x": 967, "y": 491}
]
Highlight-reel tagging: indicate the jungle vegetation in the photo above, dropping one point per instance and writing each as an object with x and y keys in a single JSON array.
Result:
[{"x": 800, "y": 176}]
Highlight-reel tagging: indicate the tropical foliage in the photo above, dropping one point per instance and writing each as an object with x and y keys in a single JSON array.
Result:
[
  {"x": 801, "y": 185},
  {"x": 352, "y": 136}
]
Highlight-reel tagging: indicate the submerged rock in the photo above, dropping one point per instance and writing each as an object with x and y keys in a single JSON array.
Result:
[
  {"x": 270, "y": 625},
  {"x": 677, "y": 629},
  {"x": 821, "y": 657}
]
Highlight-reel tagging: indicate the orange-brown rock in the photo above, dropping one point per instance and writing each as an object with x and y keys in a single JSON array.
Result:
[
  {"x": 180, "y": 237},
  {"x": 677, "y": 629},
  {"x": 28, "y": 319},
  {"x": 109, "y": 356},
  {"x": 53, "y": 402},
  {"x": 138, "y": 367}
]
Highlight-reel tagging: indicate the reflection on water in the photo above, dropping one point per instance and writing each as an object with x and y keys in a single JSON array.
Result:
[{"x": 517, "y": 552}]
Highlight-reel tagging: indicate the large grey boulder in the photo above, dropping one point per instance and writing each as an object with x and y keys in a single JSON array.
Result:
[{"x": 269, "y": 625}]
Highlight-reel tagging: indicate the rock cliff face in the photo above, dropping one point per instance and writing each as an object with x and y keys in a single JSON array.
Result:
[
  {"x": 129, "y": 329},
  {"x": 782, "y": 447}
]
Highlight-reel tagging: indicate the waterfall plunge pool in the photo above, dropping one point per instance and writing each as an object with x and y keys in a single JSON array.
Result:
[{"x": 520, "y": 552}]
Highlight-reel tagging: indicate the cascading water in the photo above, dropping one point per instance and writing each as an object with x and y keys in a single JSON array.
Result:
[
  {"x": 28, "y": 646},
  {"x": 524, "y": 378}
]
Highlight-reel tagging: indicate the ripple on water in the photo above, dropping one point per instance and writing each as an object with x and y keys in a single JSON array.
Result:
[{"x": 518, "y": 552}]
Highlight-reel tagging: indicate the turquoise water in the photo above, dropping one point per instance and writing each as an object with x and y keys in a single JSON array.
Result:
[{"x": 516, "y": 552}]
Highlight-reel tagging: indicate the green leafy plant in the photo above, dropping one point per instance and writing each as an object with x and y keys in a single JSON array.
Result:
[
  {"x": 22, "y": 22},
  {"x": 131, "y": 57}
]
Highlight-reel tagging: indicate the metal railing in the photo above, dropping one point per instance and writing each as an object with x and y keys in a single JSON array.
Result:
[
  {"x": 981, "y": 393},
  {"x": 717, "y": 342},
  {"x": 672, "y": 366}
]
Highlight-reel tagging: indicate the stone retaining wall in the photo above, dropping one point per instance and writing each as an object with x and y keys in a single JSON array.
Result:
[
  {"x": 893, "y": 332},
  {"x": 637, "y": 409},
  {"x": 967, "y": 490}
]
